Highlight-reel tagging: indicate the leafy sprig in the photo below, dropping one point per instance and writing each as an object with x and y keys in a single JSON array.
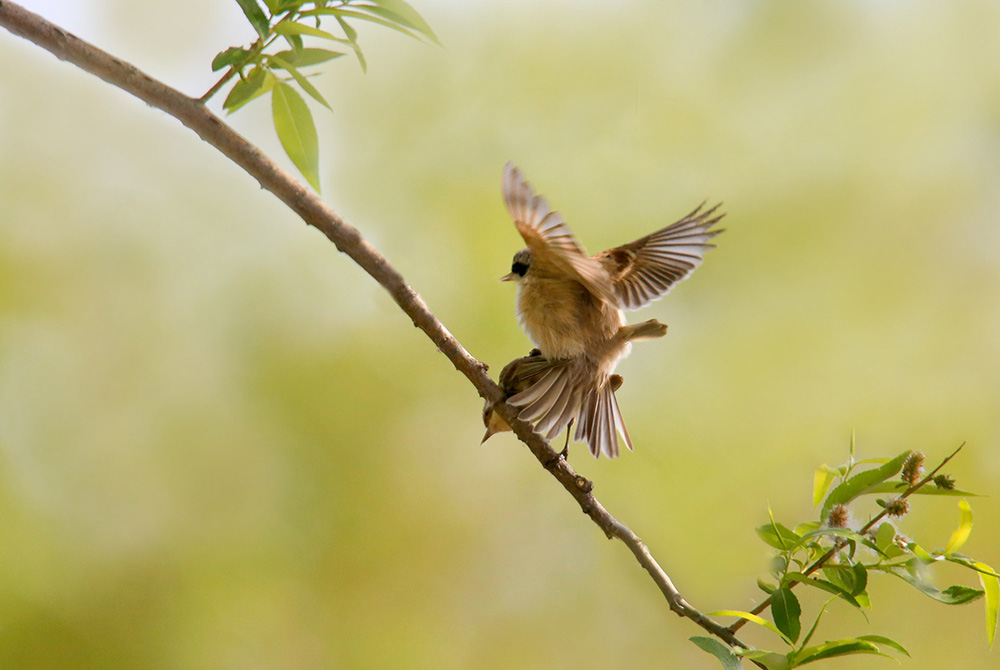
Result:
[
  {"x": 262, "y": 68},
  {"x": 838, "y": 556}
]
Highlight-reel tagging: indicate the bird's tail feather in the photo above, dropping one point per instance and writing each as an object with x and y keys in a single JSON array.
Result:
[
  {"x": 567, "y": 391},
  {"x": 601, "y": 422}
]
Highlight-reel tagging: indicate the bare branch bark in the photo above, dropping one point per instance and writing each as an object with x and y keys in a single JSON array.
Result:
[{"x": 315, "y": 212}]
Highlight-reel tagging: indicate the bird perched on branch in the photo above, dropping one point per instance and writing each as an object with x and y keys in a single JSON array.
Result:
[{"x": 570, "y": 304}]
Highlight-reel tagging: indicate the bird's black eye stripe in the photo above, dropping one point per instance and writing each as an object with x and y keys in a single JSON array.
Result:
[{"x": 519, "y": 268}]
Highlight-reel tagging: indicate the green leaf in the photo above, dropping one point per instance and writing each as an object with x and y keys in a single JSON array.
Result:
[
  {"x": 899, "y": 487},
  {"x": 279, "y": 6},
  {"x": 823, "y": 585},
  {"x": 351, "y": 33},
  {"x": 835, "y": 648},
  {"x": 851, "y": 578},
  {"x": 785, "y": 611},
  {"x": 300, "y": 80},
  {"x": 823, "y": 478},
  {"x": 256, "y": 84},
  {"x": 778, "y": 565},
  {"x": 255, "y": 15},
  {"x": 729, "y": 660},
  {"x": 885, "y": 535},
  {"x": 860, "y": 579},
  {"x": 292, "y": 28},
  {"x": 778, "y": 536},
  {"x": 307, "y": 57},
  {"x": 769, "y": 659},
  {"x": 922, "y": 554},
  {"x": 348, "y": 13},
  {"x": 894, "y": 551},
  {"x": 807, "y": 527},
  {"x": 297, "y": 132},
  {"x": 840, "y": 577},
  {"x": 972, "y": 564},
  {"x": 953, "y": 595},
  {"x": 386, "y": 14},
  {"x": 861, "y": 483},
  {"x": 753, "y": 618},
  {"x": 878, "y": 460},
  {"x": 959, "y": 595},
  {"x": 765, "y": 586},
  {"x": 885, "y": 641},
  {"x": 231, "y": 56},
  {"x": 295, "y": 41},
  {"x": 991, "y": 587},
  {"x": 408, "y": 16},
  {"x": 961, "y": 534},
  {"x": 352, "y": 37},
  {"x": 812, "y": 629},
  {"x": 361, "y": 57},
  {"x": 845, "y": 533}
]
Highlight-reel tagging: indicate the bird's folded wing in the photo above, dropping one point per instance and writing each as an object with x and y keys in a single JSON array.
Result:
[
  {"x": 522, "y": 372},
  {"x": 552, "y": 401}
]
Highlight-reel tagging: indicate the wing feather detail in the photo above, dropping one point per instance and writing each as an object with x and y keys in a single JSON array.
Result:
[
  {"x": 554, "y": 247},
  {"x": 568, "y": 391},
  {"x": 551, "y": 401},
  {"x": 645, "y": 270},
  {"x": 600, "y": 422}
]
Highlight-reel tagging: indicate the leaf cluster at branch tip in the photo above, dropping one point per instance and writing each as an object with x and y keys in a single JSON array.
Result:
[
  {"x": 837, "y": 556},
  {"x": 262, "y": 70}
]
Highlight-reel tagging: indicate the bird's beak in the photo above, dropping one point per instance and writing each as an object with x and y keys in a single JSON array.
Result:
[
  {"x": 509, "y": 277},
  {"x": 494, "y": 425}
]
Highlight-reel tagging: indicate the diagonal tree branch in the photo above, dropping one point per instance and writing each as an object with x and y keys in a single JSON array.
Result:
[{"x": 315, "y": 212}]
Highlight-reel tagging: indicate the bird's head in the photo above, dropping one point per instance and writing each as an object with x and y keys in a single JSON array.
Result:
[
  {"x": 519, "y": 266},
  {"x": 494, "y": 422}
]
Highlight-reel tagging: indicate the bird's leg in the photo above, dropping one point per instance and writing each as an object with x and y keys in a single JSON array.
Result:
[
  {"x": 565, "y": 452},
  {"x": 647, "y": 330}
]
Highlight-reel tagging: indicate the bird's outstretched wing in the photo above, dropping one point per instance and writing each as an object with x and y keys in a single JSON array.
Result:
[
  {"x": 555, "y": 251},
  {"x": 647, "y": 269}
]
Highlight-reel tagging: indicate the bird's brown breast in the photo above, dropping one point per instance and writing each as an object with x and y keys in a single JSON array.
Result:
[{"x": 565, "y": 320}]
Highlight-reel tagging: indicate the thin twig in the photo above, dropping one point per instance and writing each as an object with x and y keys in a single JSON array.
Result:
[
  {"x": 217, "y": 85},
  {"x": 311, "y": 208},
  {"x": 255, "y": 48},
  {"x": 842, "y": 542}
]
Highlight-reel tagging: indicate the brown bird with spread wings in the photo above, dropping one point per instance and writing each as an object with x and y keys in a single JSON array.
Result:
[{"x": 571, "y": 306}]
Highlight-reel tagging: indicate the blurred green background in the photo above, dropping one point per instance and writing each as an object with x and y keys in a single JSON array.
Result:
[{"x": 223, "y": 446}]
